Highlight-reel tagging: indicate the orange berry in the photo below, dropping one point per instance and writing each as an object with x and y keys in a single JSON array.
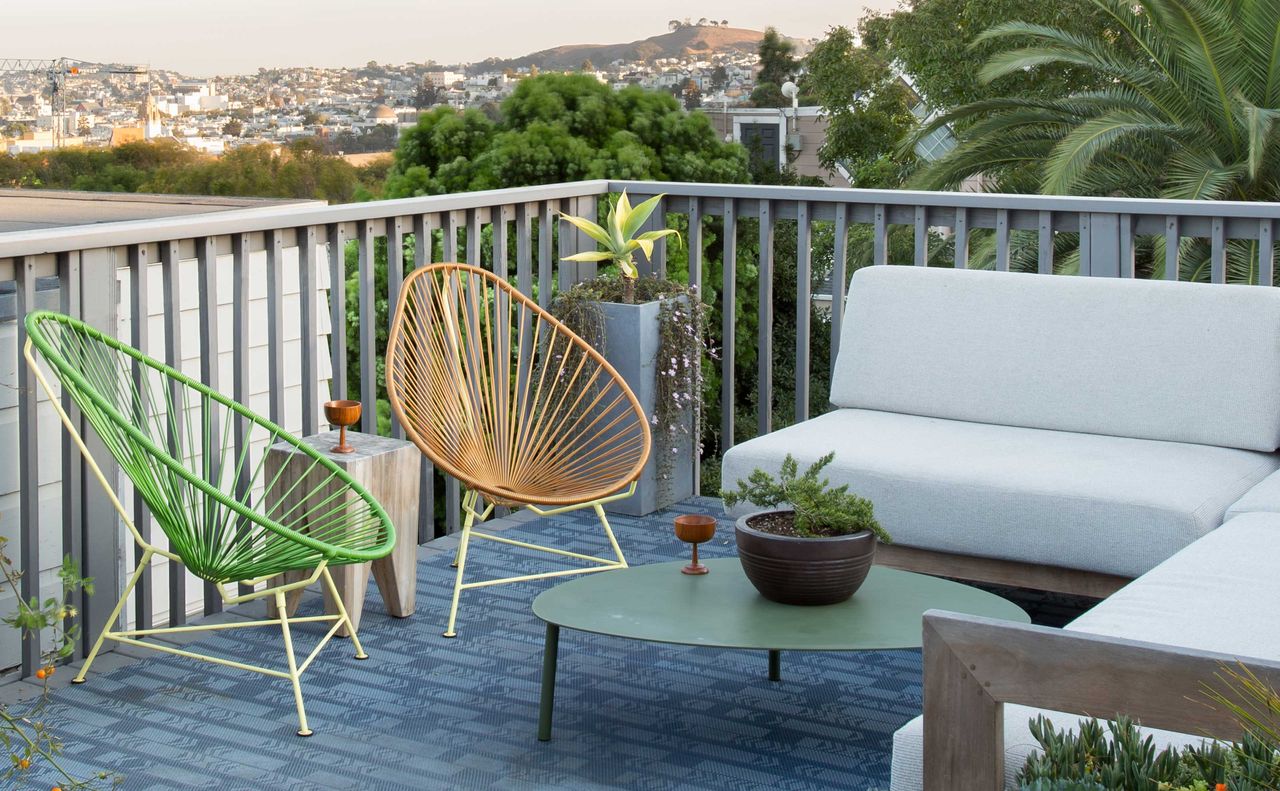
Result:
[
  {"x": 25, "y": 763},
  {"x": 40, "y": 674}
]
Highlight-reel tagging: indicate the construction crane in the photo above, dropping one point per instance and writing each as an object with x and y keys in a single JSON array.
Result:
[{"x": 57, "y": 70}]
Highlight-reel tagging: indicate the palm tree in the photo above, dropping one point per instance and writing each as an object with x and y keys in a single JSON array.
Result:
[{"x": 1189, "y": 111}]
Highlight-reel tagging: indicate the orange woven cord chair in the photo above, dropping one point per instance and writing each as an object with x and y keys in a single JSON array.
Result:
[{"x": 505, "y": 398}]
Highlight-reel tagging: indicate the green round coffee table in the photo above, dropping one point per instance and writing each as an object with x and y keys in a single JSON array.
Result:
[{"x": 721, "y": 609}]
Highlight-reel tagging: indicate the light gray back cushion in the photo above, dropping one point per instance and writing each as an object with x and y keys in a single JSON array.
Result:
[{"x": 1185, "y": 362}]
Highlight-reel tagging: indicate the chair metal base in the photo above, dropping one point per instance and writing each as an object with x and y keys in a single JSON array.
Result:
[
  {"x": 293, "y": 671},
  {"x": 469, "y": 502}
]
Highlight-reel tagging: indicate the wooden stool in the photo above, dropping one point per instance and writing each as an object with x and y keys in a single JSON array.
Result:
[{"x": 389, "y": 469}]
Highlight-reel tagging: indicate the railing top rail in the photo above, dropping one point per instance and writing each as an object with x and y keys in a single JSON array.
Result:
[
  {"x": 42, "y": 241},
  {"x": 112, "y": 234},
  {"x": 966, "y": 200}
]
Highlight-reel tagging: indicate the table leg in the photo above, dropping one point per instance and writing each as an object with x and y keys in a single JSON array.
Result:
[
  {"x": 548, "y": 700},
  {"x": 775, "y": 665}
]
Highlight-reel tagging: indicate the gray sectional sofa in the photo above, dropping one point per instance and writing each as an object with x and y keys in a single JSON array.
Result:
[
  {"x": 1090, "y": 424},
  {"x": 1114, "y": 427}
]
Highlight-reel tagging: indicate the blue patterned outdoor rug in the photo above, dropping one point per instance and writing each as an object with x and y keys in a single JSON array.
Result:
[{"x": 425, "y": 712}]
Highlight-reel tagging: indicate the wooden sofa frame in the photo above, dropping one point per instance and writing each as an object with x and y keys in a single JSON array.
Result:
[
  {"x": 973, "y": 666},
  {"x": 971, "y": 568}
]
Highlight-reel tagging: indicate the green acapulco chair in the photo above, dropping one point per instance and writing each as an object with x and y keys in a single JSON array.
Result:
[{"x": 190, "y": 452}]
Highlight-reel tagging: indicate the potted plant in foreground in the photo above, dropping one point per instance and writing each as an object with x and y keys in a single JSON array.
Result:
[
  {"x": 813, "y": 544},
  {"x": 652, "y": 331}
]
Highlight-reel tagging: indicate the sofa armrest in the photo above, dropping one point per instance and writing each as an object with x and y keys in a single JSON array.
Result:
[
  {"x": 1263, "y": 497},
  {"x": 973, "y": 666}
]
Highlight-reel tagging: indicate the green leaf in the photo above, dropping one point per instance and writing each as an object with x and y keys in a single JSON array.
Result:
[
  {"x": 589, "y": 256},
  {"x": 640, "y": 215},
  {"x": 589, "y": 228}
]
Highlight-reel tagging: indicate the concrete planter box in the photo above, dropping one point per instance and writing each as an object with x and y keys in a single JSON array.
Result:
[{"x": 631, "y": 345}]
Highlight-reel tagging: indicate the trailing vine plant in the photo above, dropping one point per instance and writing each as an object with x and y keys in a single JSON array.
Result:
[
  {"x": 25, "y": 736},
  {"x": 682, "y": 341}
]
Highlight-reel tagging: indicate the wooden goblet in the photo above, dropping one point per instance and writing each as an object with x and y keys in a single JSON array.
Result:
[
  {"x": 695, "y": 529},
  {"x": 342, "y": 413}
]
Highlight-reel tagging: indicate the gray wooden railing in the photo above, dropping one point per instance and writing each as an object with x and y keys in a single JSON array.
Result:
[{"x": 525, "y": 240}]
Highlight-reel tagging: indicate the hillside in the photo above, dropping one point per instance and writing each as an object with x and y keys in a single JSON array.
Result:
[{"x": 678, "y": 43}]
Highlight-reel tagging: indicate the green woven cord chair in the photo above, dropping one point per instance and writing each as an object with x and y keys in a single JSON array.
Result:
[{"x": 198, "y": 460}]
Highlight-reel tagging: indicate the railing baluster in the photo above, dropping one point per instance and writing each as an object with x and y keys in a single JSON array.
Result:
[
  {"x": 839, "y": 277},
  {"x": 546, "y": 264},
  {"x": 501, "y": 216},
  {"x": 338, "y": 309},
  {"x": 457, "y": 219},
  {"x": 525, "y": 213},
  {"x": 72, "y": 478},
  {"x": 139, "y": 337},
  {"x": 307, "y": 282},
  {"x": 695, "y": 243},
  {"x": 804, "y": 307},
  {"x": 1126, "y": 246},
  {"x": 921, "y": 249},
  {"x": 728, "y": 319},
  {"x": 424, "y": 226},
  {"x": 1218, "y": 251},
  {"x": 241, "y": 249},
  {"x": 28, "y": 463},
  {"x": 170, "y": 263},
  {"x": 275, "y": 326},
  {"x": 473, "y": 237},
  {"x": 1002, "y": 240},
  {"x": 1266, "y": 252},
  {"x": 1172, "y": 240},
  {"x": 880, "y": 236},
  {"x": 962, "y": 238},
  {"x": 1086, "y": 244},
  {"x": 207, "y": 267},
  {"x": 764, "y": 359},
  {"x": 454, "y": 222},
  {"x": 368, "y": 330},
  {"x": 1044, "y": 244},
  {"x": 396, "y": 227}
]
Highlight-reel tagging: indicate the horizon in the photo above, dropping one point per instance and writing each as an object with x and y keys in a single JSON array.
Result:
[{"x": 189, "y": 40}]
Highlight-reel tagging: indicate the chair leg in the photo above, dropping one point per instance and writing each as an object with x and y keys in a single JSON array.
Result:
[
  {"x": 303, "y": 730},
  {"x": 608, "y": 531},
  {"x": 468, "y": 503},
  {"x": 111, "y": 619},
  {"x": 342, "y": 612}
]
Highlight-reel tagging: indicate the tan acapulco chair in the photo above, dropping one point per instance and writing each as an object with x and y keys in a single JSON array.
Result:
[{"x": 505, "y": 398}]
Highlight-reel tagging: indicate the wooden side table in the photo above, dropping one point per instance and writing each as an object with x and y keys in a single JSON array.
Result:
[{"x": 389, "y": 469}]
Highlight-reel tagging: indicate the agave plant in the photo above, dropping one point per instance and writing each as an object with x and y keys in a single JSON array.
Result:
[{"x": 620, "y": 238}]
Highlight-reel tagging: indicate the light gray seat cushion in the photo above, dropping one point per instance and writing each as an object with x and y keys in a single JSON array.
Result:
[
  {"x": 1086, "y": 501},
  {"x": 1185, "y": 362},
  {"x": 1265, "y": 496},
  {"x": 1218, "y": 594}
]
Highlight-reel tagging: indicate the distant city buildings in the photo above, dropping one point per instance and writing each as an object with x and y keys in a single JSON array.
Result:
[{"x": 346, "y": 109}]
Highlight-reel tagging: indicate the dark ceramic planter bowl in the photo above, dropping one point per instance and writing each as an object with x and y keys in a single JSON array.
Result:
[{"x": 806, "y": 571}]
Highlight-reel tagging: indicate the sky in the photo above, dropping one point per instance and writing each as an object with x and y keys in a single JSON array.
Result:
[{"x": 238, "y": 36}]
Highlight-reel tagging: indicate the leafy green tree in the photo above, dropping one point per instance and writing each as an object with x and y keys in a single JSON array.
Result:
[
  {"x": 234, "y": 128},
  {"x": 777, "y": 65},
  {"x": 559, "y": 127},
  {"x": 937, "y": 44},
  {"x": 777, "y": 58},
  {"x": 867, "y": 107}
]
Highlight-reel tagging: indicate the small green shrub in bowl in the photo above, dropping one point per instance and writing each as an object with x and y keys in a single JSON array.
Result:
[{"x": 813, "y": 543}]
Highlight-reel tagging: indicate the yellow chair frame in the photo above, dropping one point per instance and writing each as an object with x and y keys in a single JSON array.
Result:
[{"x": 502, "y": 396}]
